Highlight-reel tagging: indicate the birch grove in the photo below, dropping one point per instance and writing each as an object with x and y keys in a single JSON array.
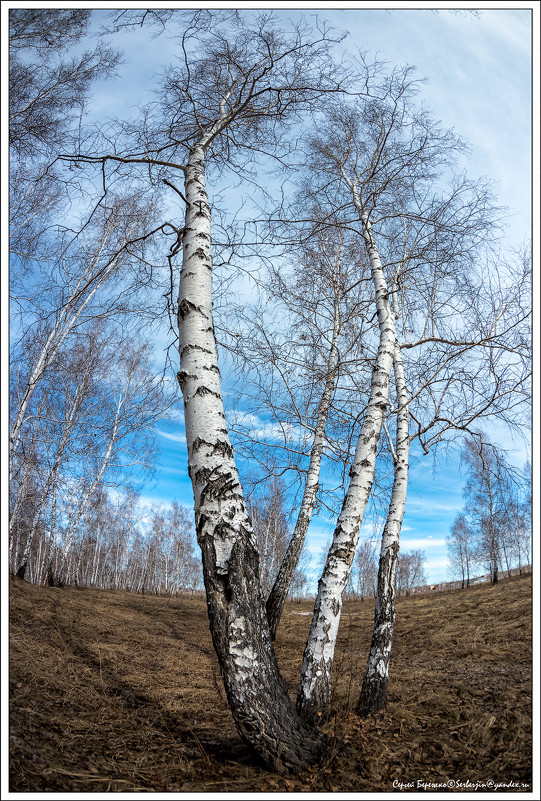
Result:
[
  {"x": 376, "y": 312},
  {"x": 379, "y": 153},
  {"x": 491, "y": 531},
  {"x": 315, "y": 685}
]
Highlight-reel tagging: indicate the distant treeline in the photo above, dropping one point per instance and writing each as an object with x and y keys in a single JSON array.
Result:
[{"x": 457, "y": 585}]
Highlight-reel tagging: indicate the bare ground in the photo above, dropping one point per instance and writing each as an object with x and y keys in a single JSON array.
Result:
[{"x": 121, "y": 692}]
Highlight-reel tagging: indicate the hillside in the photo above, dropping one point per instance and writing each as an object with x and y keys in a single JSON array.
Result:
[{"x": 121, "y": 692}]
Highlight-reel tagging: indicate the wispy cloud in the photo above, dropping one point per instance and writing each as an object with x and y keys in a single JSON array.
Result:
[
  {"x": 436, "y": 564},
  {"x": 173, "y": 437},
  {"x": 175, "y": 415},
  {"x": 433, "y": 505},
  {"x": 257, "y": 428},
  {"x": 423, "y": 542}
]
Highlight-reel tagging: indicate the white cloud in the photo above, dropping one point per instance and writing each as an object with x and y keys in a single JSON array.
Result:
[
  {"x": 175, "y": 471},
  {"x": 257, "y": 428},
  {"x": 423, "y": 542},
  {"x": 437, "y": 563},
  {"x": 175, "y": 415},
  {"x": 172, "y": 437},
  {"x": 434, "y": 506}
]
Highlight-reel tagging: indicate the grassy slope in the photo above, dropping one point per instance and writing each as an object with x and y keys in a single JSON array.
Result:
[{"x": 120, "y": 692}]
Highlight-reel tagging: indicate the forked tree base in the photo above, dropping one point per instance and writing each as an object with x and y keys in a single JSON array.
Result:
[{"x": 262, "y": 710}]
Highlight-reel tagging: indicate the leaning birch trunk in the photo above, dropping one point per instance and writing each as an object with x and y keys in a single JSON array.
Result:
[
  {"x": 67, "y": 319},
  {"x": 263, "y": 713},
  {"x": 373, "y": 696},
  {"x": 280, "y": 589},
  {"x": 314, "y": 695},
  {"x": 51, "y": 478},
  {"x": 87, "y": 496}
]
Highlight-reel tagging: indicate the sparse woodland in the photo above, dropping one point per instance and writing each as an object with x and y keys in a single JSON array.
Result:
[{"x": 383, "y": 312}]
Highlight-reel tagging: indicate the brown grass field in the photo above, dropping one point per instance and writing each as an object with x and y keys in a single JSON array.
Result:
[{"x": 122, "y": 693}]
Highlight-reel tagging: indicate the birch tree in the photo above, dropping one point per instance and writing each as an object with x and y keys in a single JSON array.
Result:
[
  {"x": 61, "y": 260},
  {"x": 366, "y": 569},
  {"x": 298, "y": 359},
  {"x": 239, "y": 94},
  {"x": 90, "y": 280},
  {"x": 255, "y": 91},
  {"x": 128, "y": 411},
  {"x": 381, "y": 158},
  {"x": 490, "y": 491},
  {"x": 235, "y": 90},
  {"x": 100, "y": 403},
  {"x": 460, "y": 548},
  {"x": 48, "y": 92},
  {"x": 315, "y": 685},
  {"x": 271, "y": 527},
  {"x": 56, "y": 434}
]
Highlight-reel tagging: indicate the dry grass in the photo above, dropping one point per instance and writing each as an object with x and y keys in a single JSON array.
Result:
[{"x": 118, "y": 692}]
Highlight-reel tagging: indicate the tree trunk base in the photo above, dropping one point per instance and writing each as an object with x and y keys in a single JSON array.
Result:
[
  {"x": 21, "y": 571},
  {"x": 373, "y": 698}
]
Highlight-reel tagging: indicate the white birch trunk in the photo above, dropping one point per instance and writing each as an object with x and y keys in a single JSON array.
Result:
[
  {"x": 373, "y": 696},
  {"x": 95, "y": 559},
  {"x": 280, "y": 589},
  {"x": 84, "y": 502},
  {"x": 257, "y": 695},
  {"x": 67, "y": 319},
  {"x": 52, "y": 477},
  {"x": 314, "y": 695},
  {"x": 14, "y": 517}
]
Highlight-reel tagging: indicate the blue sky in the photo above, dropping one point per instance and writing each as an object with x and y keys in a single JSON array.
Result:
[{"x": 479, "y": 72}]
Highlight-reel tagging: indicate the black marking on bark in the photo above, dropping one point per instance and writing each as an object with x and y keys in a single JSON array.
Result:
[
  {"x": 373, "y": 697},
  {"x": 190, "y": 347},
  {"x": 220, "y": 487},
  {"x": 200, "y": 525},
  {"x": 202, "y": 391},
  {"x": 202, "y": 475},
  {"x": 185, "y": 307},
  {"x": 223, "y": 448},
  {"x": 211, "y": 369},
  {"x": 198, "y": 443},
  {"x": 198, "y": 253},
  {"x": 183, "y": 376}
]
